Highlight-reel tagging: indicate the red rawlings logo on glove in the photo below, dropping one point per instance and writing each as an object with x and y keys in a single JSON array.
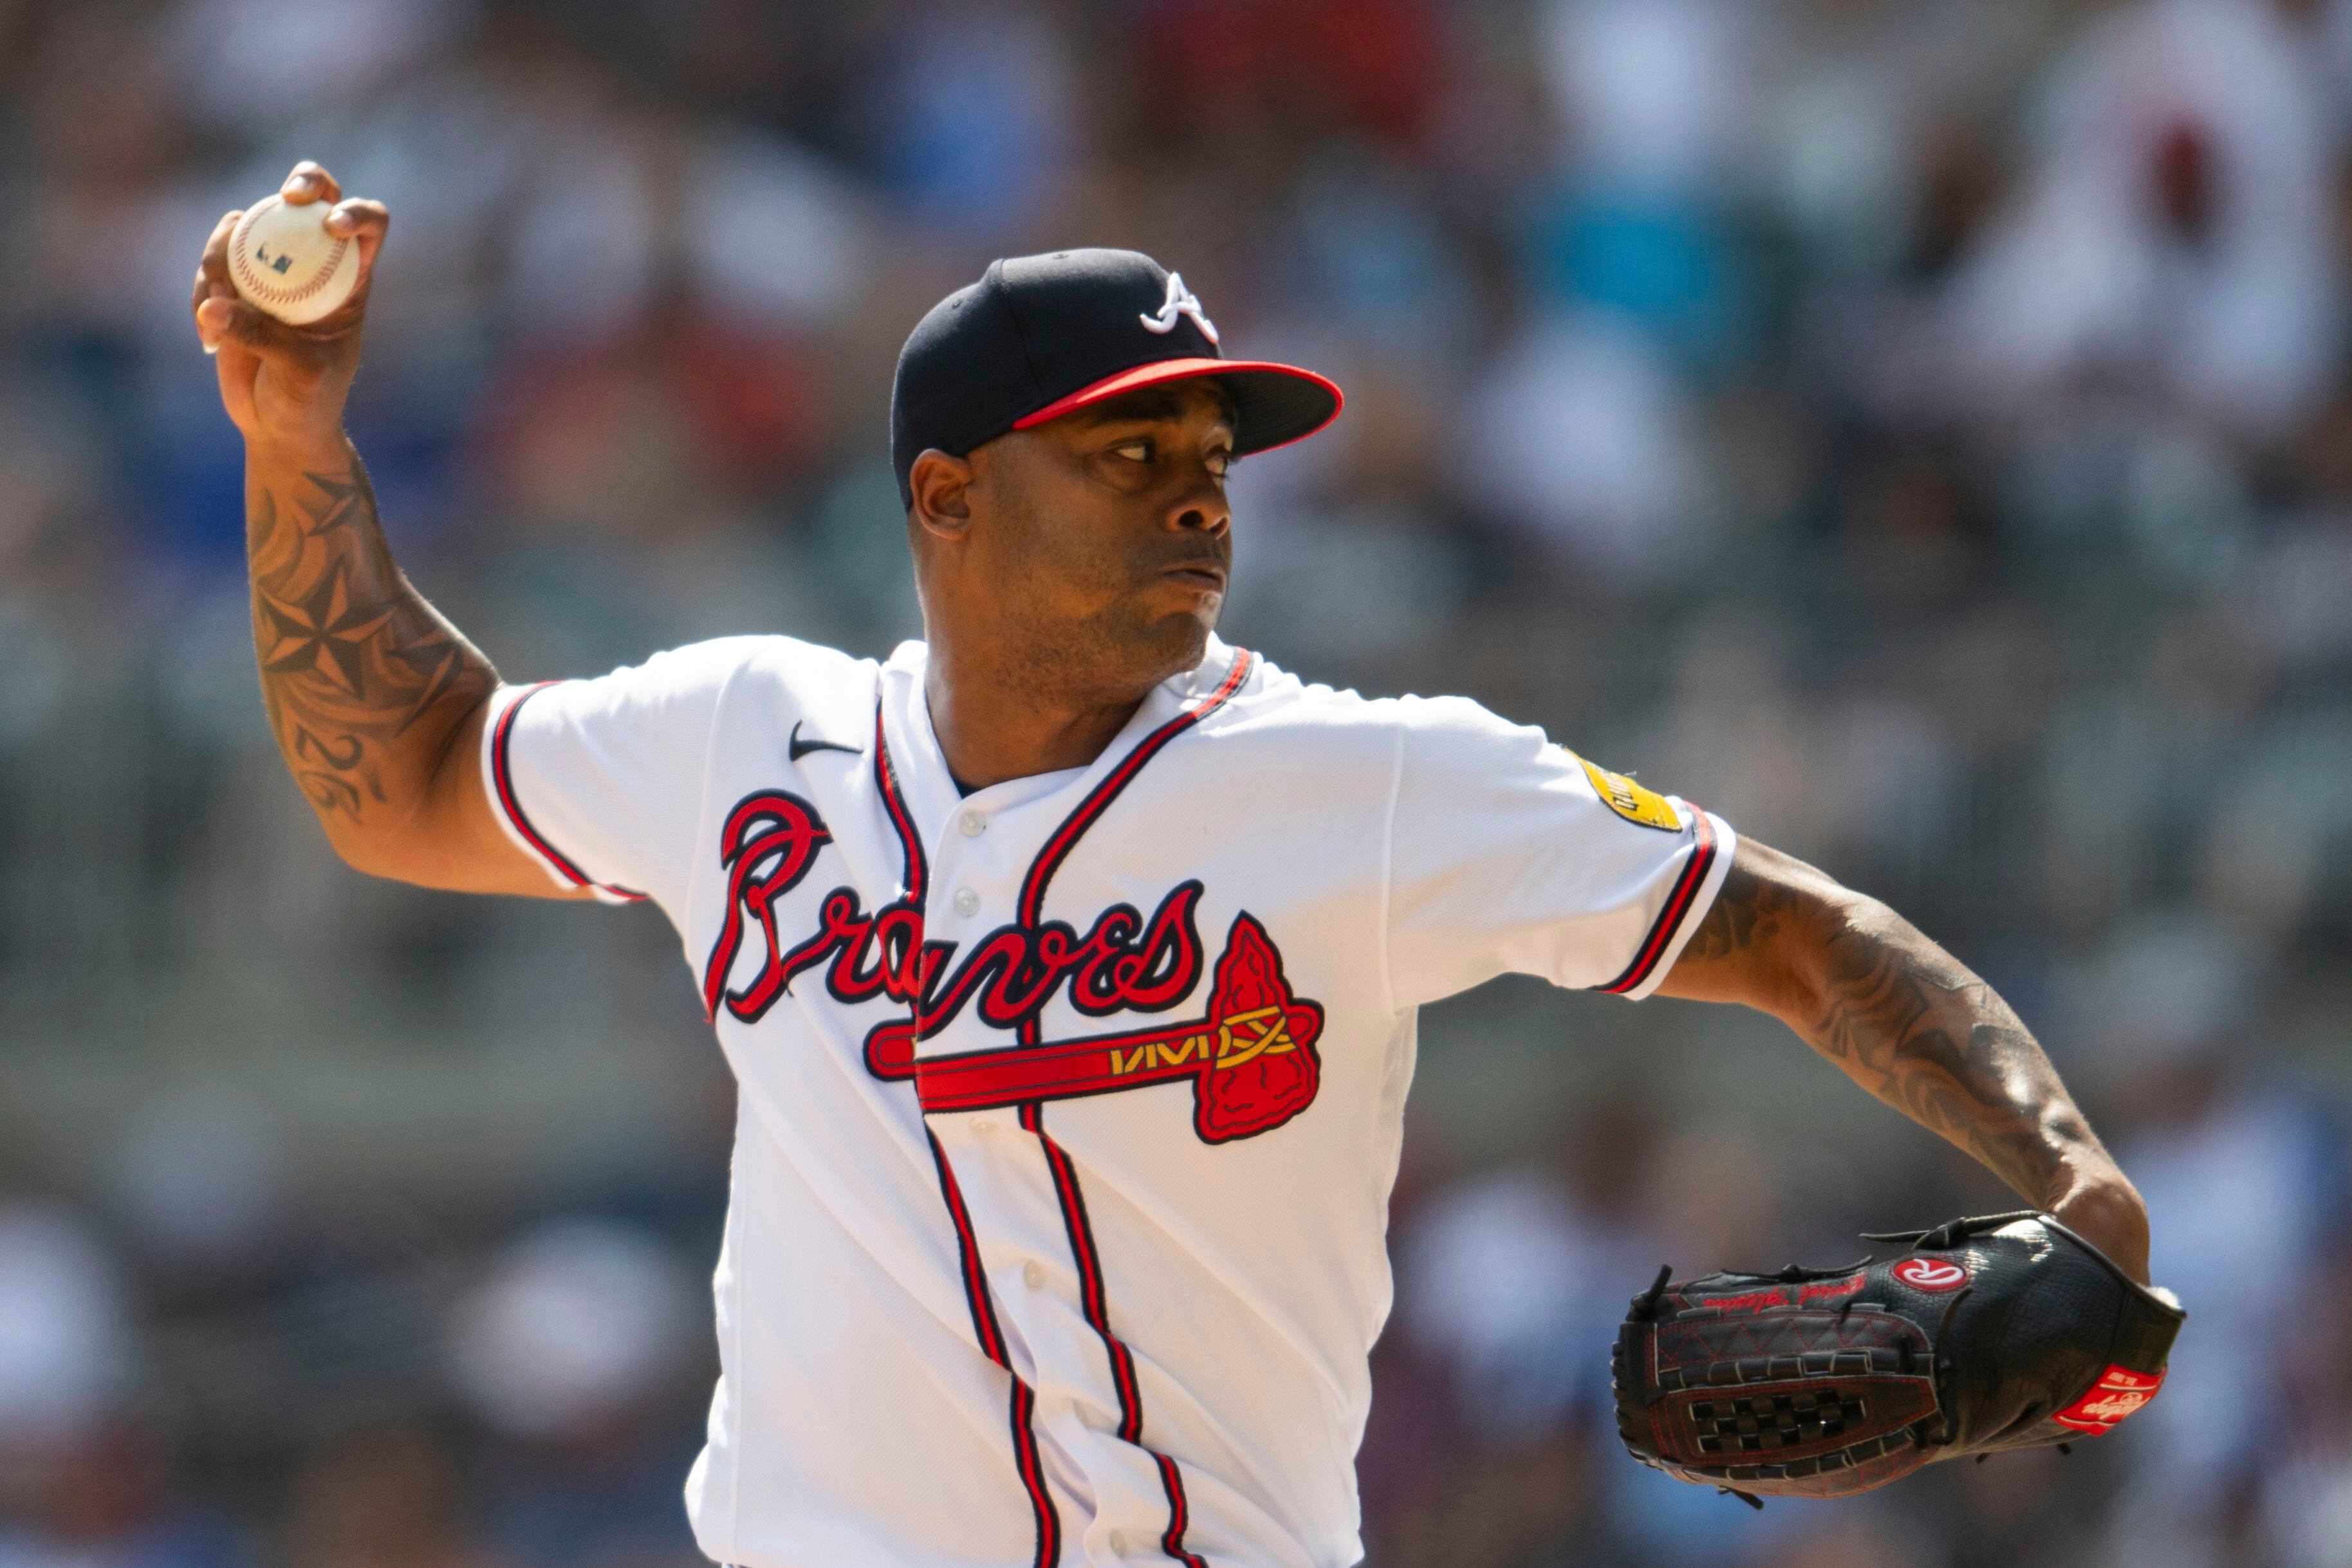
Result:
[
  {"x": 2117, "y": 1393},
  {"x": 1931, "y": 1274}
]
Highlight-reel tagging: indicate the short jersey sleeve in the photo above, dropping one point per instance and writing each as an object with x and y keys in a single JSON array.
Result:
[
  {"x": 601, "y": 780},
  {"x": 1511, "y": 854}
]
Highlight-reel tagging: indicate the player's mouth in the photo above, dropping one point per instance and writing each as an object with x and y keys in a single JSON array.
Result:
[{"x": 1206, "y": 575}]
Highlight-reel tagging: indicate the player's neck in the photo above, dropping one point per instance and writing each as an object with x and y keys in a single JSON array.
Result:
[{"x": 996, "y": 721}]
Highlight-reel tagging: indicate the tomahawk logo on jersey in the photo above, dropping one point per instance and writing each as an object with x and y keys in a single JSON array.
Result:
[{"x": 1069, "y": 1109}]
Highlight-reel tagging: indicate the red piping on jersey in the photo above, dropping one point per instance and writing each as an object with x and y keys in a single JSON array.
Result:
[
  {"x": 1180, "y": 1513},
  {"x": 909, "y": 841},
  {"x": 502, "y": 772},
  {"x": 1679, "y": 903},
  {"x": 1090, "y": 1283},
  {"x": 1093, "y": 1301},
  {"x": 1023, "y": 1404},
  {"x": 1074, "y": 827}
]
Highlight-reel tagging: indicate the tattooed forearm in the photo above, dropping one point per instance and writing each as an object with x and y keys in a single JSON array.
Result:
[
  {"x": 364, "y": 685},
  {"x": 1925, "y": 1035},
  {"x": 1901, "y": 1017}
]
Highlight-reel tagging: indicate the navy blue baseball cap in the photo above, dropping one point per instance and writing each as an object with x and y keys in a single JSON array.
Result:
[{"x": 1042, "y": 336}]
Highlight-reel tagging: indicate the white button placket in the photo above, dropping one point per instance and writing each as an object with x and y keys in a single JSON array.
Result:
[
  {"x": 1000, "y": 1166},
  {"x": 1008, "y": 1185}
]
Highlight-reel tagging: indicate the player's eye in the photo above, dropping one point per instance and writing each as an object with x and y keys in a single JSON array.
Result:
[
  {"x": 1135, "y": 451},
  {"x": 1220, "y": 463}
]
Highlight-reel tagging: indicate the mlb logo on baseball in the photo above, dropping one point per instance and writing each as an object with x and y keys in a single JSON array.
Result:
[{"x": 283, "y": 258}]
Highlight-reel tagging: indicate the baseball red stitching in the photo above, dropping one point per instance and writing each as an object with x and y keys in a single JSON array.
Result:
[{"x": 246, "y": 271}]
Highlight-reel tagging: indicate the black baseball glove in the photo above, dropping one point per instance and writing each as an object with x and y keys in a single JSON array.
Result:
[{"x": 2007, "y": 1330}]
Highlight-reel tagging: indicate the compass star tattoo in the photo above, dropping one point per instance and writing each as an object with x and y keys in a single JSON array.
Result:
[
  {"x": 325, "y": 632},
  {"x": 350, "y": 656}
]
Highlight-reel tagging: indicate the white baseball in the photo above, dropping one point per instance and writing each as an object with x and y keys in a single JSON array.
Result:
[{"x": 283, "y": 260}]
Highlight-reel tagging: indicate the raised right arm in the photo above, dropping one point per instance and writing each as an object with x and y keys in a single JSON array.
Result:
[{"x": 376, "y": 702}]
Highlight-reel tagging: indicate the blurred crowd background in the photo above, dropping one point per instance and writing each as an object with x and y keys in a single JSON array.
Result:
[{"x": 1920, "y": 431}]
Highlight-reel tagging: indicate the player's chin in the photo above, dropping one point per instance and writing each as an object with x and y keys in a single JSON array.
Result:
[
  {"x": 1191, "y": 597},
  {"x": 1193, "y": 619},
  {"x": 1165, "y": 641}
]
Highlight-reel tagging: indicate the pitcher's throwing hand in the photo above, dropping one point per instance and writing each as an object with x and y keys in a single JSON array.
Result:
[{"x": 284, "y": 383}]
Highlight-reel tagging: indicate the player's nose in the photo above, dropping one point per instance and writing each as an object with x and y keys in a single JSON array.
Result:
[{"x": 1200, "y": 505}]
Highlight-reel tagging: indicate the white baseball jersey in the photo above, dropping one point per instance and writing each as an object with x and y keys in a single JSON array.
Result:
[{"x": 1070, "y": 1107}]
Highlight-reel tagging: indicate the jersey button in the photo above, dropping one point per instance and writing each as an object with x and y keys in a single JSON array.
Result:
[
  {"x": 1119, "y": 1542},
  {"x": 967, "y": 903},
  {"x": 984, "y": 1126},
  {"x": 1033, "y": 1276},
  {"x": 973, "y": 824}
]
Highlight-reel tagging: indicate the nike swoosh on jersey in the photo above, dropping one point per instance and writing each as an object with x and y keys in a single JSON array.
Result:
[{"x": 800, "y": 748}]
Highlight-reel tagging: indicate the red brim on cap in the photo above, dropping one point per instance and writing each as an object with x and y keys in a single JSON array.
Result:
[{"x": 1273, "y": 404}]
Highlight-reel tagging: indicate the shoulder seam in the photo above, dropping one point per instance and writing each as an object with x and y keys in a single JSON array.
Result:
[{"x": 702, "y": 810}]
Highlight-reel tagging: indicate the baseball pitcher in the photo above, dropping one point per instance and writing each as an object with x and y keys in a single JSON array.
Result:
[{"x": 1067, "y": 959}]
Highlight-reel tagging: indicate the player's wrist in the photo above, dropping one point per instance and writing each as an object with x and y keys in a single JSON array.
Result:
[
  {"x": 2101, "y": 1205},
  {"x": 300, "y": 449}
]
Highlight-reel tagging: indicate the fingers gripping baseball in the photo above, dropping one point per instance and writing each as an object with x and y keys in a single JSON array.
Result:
[{"x": 282, "y": 383}]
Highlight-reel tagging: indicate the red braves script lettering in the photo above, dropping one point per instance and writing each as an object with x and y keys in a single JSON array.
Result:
[
  {"x": 1123, "y": 964},
  {"x": 1252, "y": 1060},
  {"x": 766, "y": 847}
]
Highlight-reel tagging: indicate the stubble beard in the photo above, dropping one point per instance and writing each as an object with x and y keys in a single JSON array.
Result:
[{"x": 1116, "y": 656}]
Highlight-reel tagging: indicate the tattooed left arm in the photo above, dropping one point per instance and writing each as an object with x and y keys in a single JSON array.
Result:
[{"x": 1913, "y": 1025}]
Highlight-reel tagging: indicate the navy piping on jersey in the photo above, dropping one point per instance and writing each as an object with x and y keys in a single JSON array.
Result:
[
  {"x": 502, "y": 774},
  {"x": 1094, "y": 1300},
  {"x": 1678, "y": 903}
]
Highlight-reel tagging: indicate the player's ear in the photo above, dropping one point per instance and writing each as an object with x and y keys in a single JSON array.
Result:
[{"x": 942, "y": 486}]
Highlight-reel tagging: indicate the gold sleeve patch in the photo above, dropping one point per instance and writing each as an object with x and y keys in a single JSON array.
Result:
[{"x": 1630, "y": 800}]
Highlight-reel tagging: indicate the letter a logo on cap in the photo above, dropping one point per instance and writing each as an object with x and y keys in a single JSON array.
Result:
[{"x": 1181, "y": 301}]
